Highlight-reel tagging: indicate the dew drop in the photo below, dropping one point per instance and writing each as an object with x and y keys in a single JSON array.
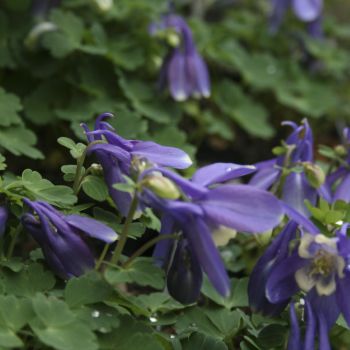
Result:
[
  {"x": 271, "y": 69},
  {"x": 95, "y": 314},
  {"x": 103, "y": 330}
]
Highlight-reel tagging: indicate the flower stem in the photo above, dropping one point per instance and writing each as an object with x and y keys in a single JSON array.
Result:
[
  {"x": 148, "y": 245},
  {"x": 80, "y": 163},
  {"x": 13, "y": 241},
  {"x": 102, "y": 256},
  {"x": 124, "y": 234}
]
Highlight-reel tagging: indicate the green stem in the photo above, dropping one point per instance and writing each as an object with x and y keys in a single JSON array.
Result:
[
  {"x": 80, "y": 163},
  {"x": 148, "y": 245},
  {"x": 124, "y": 234},
  {"x": 13, "y": 241},
  {"x": 102, "y": 256}
]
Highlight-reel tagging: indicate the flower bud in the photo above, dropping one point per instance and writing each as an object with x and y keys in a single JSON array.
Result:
[
  {"x": 314, "y": 174},
  {"x": 184, "y": 279},
  {"x": 162, "y": 187},
  {"x": 96, "y": 169},
  {"x": 173, "y": 38},
  {"x": 104, "y": 5},
  {"x": 3, "y": 219},
  {"x": 340, "y": 150}
]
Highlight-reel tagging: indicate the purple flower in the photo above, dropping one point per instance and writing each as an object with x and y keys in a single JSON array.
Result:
[
  {"x": 338, "y": 183},
  {"x": 290, "y": 170},
  {"x": 318, "y": 266},
  {"x": 184, "y": 70},
  {"x": 60, "y": 237},
  {"x": 206, "y": 212},
  {"x": 308, "y": 11},
  {"x": 3, "y": 219},
  {"x": 41, "y": 8},
  {"x": 119, "y": 156}
]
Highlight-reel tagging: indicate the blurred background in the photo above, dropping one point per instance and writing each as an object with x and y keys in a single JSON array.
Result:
[{"x": 65, "y": 62}]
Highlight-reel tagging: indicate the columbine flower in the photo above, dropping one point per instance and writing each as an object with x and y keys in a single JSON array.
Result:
[
  {"x": 294, "y": 171},
  {"x": 120, "y": 157},
  {"x": 307, "y": 11},
  {"x": 40, "y": 8},
  {"x": 3, "y": 219},
  {"x": 184, "y": 70},
  {"x": 60, "y": 237},
  {"x": 318, "y": 266},
  {"x": 338, "y": 182},
  {"x": 204, "y": 211}
]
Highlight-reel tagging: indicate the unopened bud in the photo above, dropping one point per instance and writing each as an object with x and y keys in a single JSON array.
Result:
[
  {"x": 162, "y": 187},
  {"x": 96, "y": 169},
  {"x": 173, "y": 38},
  {"x": 314, "y": 174},
  {"x": 340, "y": 150},
  {"x": 222, "y": 235},
  {"x": 104, "y": 5}
]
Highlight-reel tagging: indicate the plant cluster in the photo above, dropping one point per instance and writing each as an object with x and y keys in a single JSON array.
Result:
[{"x": 60, "y": 288}]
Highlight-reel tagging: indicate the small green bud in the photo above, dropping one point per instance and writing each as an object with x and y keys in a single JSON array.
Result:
[
  {"x": 340, "y": 150},
  {"x": 162, "y": 186},
  {"x": 96, "y": 169},
  {"x": 314, "y": 174},
  {"x": 279, "y": 150},
  {"x": 173, "y": 38}
]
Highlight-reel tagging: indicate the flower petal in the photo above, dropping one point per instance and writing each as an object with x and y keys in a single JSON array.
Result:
[
  {"x": 220, "y": 172},
  {"x": 92, "y": 228},
  {"x": 162, "y": 155},
  {"x": 295, "y": 190},
  {"x": 177, "y": 76},
  {"x": 207, "y": 254},
  {"x": 242, "y": 207},
  {"x": 281, "y": 283},
  {"x": 307, "y": 10},
  {"x": 294, "y": 340}
]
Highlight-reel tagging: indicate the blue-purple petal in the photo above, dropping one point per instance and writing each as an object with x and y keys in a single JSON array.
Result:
[
  {"x": 161, "y": 155},
  {"x": 92, "y": 228},
  {"x": 307, "y": 10},
  {"x": 242, "y": 207},
  {"x": 220, "y": 172}
]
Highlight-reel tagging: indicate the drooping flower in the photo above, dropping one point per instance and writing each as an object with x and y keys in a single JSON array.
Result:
[
  {"x": 338, "y": 182},
  {"x": 294, "y": 171},
  {"x": 119, "y": 157},
  {"x": 60, "y": 237},
  {"x": 183, "y": 70},
  {"x": 41, "y": 8},
  {"x": 307, "y": 11},
  {"x": 317, "y": 266},
  {"x": 202, "y": 212},
  {"x": 4, "y": 213}
]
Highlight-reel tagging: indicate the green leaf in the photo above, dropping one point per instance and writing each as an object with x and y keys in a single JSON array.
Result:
[
  {"x": 68, "y": 36},
  {"x": 10, "y": 106},
  {"x": 272, "y": 336},
  {"x": 130, "y": 334},
  {"x": 141, "y": 271},
  {"x": 29, "y": 281},
  {"x": 19, "y": 141},
  {"x": 87, "y": 289},
  {"x": 58, "y": 327},
  {"x": 250, "y": 115},
  {"x": 76, "y": 149},
  {"x": 95, "y": 188},
  {"x": 43, "y": 189},
  {"x": 237, "y": 298},
  {"x": 8, "y": 339},
  {"x": 3, "y": 164},
  {"x": 203, "y": 342}
]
